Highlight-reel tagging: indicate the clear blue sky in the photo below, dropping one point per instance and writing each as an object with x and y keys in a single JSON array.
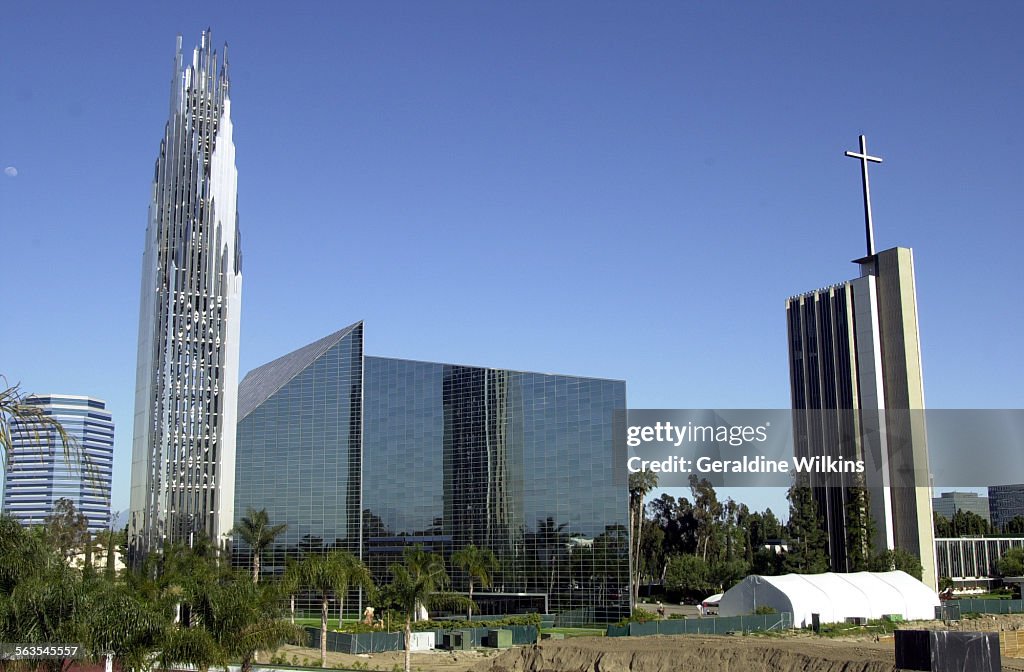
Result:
[{"x": 625, "y": 190}]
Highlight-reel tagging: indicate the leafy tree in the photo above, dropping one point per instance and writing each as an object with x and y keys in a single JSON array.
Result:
[
  {"x": 652, "y": 549},
  {"x": 675, "y": 518},
  {"x": 1012, "y": 563},
  {"x": 733, "y": 535},
  {"x": 479, "y": 563},
  {"x": 255, "y": 530},
  {"x": 963, "y": 524},
  {"x": 1014, "y": 526},
  {"x": 706, "y": 510},
  {"x": 729, "y": 538},
  {"x": 725, "y": 574},
  {"x": 640, "y": 483},
  {"x": 898, "y": 559},
  {"x": 806, "y": 534},
  {"x": 421, "y": 579},
  {"x": 969, "y": 524},
  {"x": 110, "y": 542},
  {"x": 688, "y": 573},
  {"x": 88, "y": 551},
  {"x": 762, "y": 529},
  {"x": 767, "y": 562},
  {"x": 67, "y": 528},
  {"x": 860, "y": 530}
]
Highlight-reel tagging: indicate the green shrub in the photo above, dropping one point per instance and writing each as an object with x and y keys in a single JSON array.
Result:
[
  {"x": 639, "y": 616},
  {"x": 526, "y": 619}
]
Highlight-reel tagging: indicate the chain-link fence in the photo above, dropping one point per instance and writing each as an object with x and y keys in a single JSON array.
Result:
[
  {"x": 718, "y": 625},
  {"x": 977, "y": 606}
]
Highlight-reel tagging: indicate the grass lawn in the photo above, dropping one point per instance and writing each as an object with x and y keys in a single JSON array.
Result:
[
  {"x": 332, "y": 622},
  {"x": 578, "y": 632},
  {"x": 990, "y": 596},
  {"x": 875, "y": 627}
]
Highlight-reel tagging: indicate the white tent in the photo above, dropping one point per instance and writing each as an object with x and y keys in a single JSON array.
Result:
[{"x": 835, "y": 597}]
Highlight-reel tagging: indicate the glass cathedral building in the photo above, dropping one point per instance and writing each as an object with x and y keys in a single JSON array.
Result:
[
  {"x": 183, "y": 450},
  {"x": 373, "y": 454}
]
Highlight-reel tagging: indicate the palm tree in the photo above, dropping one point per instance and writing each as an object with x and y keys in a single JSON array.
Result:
[
  {"x": 478, "y": 563},
  {"x": 327, "y": 574},
  {"x": 255, "y": 529},
  {"x": 640, "y": 483},
  {"x": 122, "y": 626},
  {"x": 233, "y": 620},
  {"x": 42, "y": 602},
  {"x": 290, "y": 585},
  {"x": 31, "y": 421},
  {"x": 43, "y": 599},
  {"x": 419, "y": 581},
  {"x": 356, "y": 576},
  {"x": 421, "y": 562}
]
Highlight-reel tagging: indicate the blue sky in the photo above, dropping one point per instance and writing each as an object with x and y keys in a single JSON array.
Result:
[{"x": 625, "y": 190}]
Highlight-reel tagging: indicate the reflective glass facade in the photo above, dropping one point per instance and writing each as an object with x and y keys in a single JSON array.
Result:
[
  {"x": 520, "y": 463},
  {"x": 299, "y": 427},
  {"x": 1005, "y": 502}
]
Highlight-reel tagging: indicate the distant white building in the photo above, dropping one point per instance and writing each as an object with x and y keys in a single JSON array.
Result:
[{"x": 971, "y": 561}]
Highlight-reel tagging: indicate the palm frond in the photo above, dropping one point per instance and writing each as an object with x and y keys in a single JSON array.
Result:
[{"x": 28, "y": 422}]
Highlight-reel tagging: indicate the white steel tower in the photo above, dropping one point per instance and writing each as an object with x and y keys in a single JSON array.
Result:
[{"x": 183, "y": 456}]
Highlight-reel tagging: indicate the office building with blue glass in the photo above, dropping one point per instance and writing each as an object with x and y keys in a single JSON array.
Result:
[
  {"x": 40, "y": 471},
  {"x": 373, "y": 454}
]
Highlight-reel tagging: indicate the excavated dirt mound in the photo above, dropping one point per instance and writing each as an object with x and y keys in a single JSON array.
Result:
[{"x": 694, "y": 654}]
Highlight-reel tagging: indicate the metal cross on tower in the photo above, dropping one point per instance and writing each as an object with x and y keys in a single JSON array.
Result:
[{"x": 864, "y": 158}]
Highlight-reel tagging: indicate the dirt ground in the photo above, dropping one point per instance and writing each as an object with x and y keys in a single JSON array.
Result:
[
  {"x": 796, "y": 652},
  {"x": 426, "y": 661},
  {"x": 695, "y": 653}
]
